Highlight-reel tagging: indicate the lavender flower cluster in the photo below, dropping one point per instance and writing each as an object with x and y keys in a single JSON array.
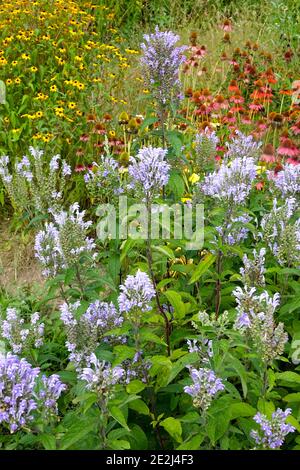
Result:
[
  {"x": 205, "y": 387},
  {"x": 272, "y": 432},
  {"x": 103, "y": 180},
  {"x": 281, "y": 234},
  {"x": 136, "y": 293},
  {"x": 253, "y": 270},
  {"x": 22, "y": 396},
  {"x": 33, "y": 182},
  {"x": 63, "y": 243},
  {"x": 85, "y": 333},
  {"x": 161, "y": 61},
  {"x": 101, "y": 378},
  {"x": 205, "y": 147},
  {"x": 235, "y": 231},
  {"x": 149, "y": 171},
  {"x": 19, "y": 336},
  {"x": 243, "y": 146},
  {"x": 203, "y": 348},
  {"x": 255, "y": 317},
  {"x": 232, "y": 183},
  {"x": 287, "y": 181}
]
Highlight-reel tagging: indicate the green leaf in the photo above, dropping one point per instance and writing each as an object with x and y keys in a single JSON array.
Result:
[
  {"x": 118, "y": 415},
  {"x": 173, "y": 427},
  {"x": 238, "y": 410},
  {"x": 294, "y": 422},
  {"x": 290, "y": 377},
  {"x": 118, "y": 444},
  {"x": 48, "y": 441},
  {"x": 202, "y": 267},
  {"x": 76, "y": 432},
  {"x": 192, "y": 444},
  {"x": 292, "y": 397},
  {"x": 181, "y": 364},
  {"x": 139, "y": 406},
  {"x": 135, "y": 386},
  {"x": 164, "y": 250},
  {"x": 175, "y": 300}
]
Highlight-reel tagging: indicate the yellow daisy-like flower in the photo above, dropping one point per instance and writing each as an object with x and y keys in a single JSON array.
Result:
[
  {"x": 25, "y": 56},
  {"x": 71, "y": 105},
  {"x": 53, "y": 88},
  {"x": 14, "y": 63},
  {"x": 9, "y": 81},
  {"x": 194, "y": 178},
  {"x": 260, "y": 169},
  {"x": 33, "y": 69},
  {"x": 39, "y": 114},
  {"x": 79, "y": 113},
  {"x": 17, "y": 80},
  {"x": 6, "y": 119},
  {"x": 185, "y": 199},
  {"x": 112, "y": 134}
]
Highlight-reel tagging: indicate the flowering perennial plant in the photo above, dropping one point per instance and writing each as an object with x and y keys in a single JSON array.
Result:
[
  {"x": 232, "y": 183},
  {"x": 137, "y": 292},
  {"x": 281, "y": 234},
  {"x": 149, "y": 171},
  {"x": 256, "y": 319},
  {"x": 205, "y": 148},
  {"x": 243, "y": 146},
  {"x": 253, "y": 270},
  {"x": 22, "y": 397},
  {"x": 85, "y": 333},
  {"x": 205, "y": 387},
  {"x": 287, "y": 181},
  {"x": 20, "y": 336},
  {"x": 101, "y": 378},
  {"x": 272, "y": 431},
  {"x": 63, "y": 243},
  {"x": 161, "y": 61},
  {"x": 35, "y": 185}
]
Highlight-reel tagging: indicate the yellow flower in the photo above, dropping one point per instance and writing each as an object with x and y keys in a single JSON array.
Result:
[
  {"x": 6, "y": 119},
  {"x": 194, "y": 178},
  {"x": 146, "y": 92},
  {"x": 39, "y": 114},
  {"x": 71, "y": 105},
  {"x": 185, "y": 199},
  {"x": 17, "y": 80},
  {"x": 9, "y": 81},
  {"x": 25, "y": 56},
  {"x": 33, "y": 69},
  {"x": 260, "y": 169},
  {"x": 53, "y": 88},
  {"x": 79, "y": 113},
  {"x": 112, "y": 134},
  {"x": 14, "y": 63}
]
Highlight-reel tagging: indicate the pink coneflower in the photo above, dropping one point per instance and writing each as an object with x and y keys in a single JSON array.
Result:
[
  {"x": 98, "y": 145},
  {"x": 259, "y": 186},
  {"x": 229, "y": 118},
  {"x": 84, "y": 137},
  {"x": 292, "y": 161},
  {"x": 226, "y": 26},
  {"x": 233, "y": 87},
  {"x": 268, "y": 154},
  {"x": 296, "y": 128},
  {"x": 79, "y": 152},
  {"x": 237, "y": 109},
  {"x": 288, "y": 148},
  {"x": 255, "y": 106},
  {"x": 79, "y": 168},
  {"x": 246, "y": 119},
  {"x": 261, "y": 125},
  {"x": 237, "y": 98},
  {"x": 220, "y": 103}
]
